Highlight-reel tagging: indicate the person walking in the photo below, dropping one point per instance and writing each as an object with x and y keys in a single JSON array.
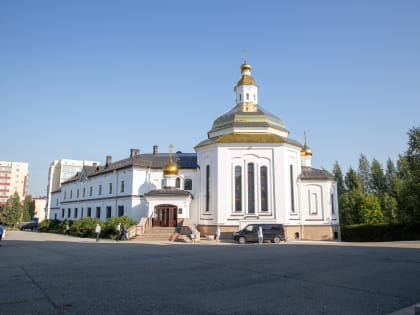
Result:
[
  {"x": 124, "y": 233},
  {"x": 260, "y": 235},
  {"x": 97, "y": 231},
  {"x": 118, "y": 232},
  {"x": 193, "y": 233},
  {"x": 68, "y": 229},
  {"x": 153, "y": 218},
  {"x": 217, "y": 235},
  {"x": 2, "y": 230}
]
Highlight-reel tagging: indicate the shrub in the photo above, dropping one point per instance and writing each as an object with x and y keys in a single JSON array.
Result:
[
  {"x": 54, "y": 226},
  {"x": 85, "y": 227},
  {"x": 111, "y": 224},
  {"x": 380, "y": 232}
]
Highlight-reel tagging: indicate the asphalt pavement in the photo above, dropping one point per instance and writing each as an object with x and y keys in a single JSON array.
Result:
[{"x": 56, "y": 274}]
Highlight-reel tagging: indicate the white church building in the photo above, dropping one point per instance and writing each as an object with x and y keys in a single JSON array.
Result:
[{"x": 247, "y": 171}]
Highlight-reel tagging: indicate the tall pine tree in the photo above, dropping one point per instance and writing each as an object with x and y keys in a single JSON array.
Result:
[{"x": 364, "y": 173}]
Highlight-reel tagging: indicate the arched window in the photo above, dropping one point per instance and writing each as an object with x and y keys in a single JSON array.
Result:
[
  {"x": 178, "y": 182},
  {"x": 188, "y": 184},
  {"x": 207, "y": 209},
  {"x": 292, "y": 189},
  {"x": 264, "y": 184},
  {"x": 251, "y": 188},
  {"x": 238, "y": 188},
  {"x": 247, "y": 96},
  {"x": 240, "y": 97}
]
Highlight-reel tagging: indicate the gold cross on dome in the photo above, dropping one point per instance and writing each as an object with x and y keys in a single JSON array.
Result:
[
  {"x": 244, "y": 55},
  {"x": 170, "y": 151}
]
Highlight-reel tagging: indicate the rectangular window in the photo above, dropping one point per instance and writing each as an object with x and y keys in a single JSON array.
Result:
[
  {"x": 110, "y": 188},
  {"x": 108, "y": 212},
  {"x": 238, "y": 188},
  {"x": 251, "y": 188},
  {"x": 65, "y": 195},
  {"x": 75, "y": 212},
  {"x": 314, "y": 203},
  {"x": 55, "y": 216},
  {"x": 207, "y": 188},
  {"x": 77, "y": 193},
  {"x": 332, "y": 204},
  {"x": 100, "y": 190},
  {"x": 71, "y": 194},
  {"x": 120, "y": 211},
  {"x": 98, "y": 212},
  {"x": 89, "y": 212},
  {"x": 68, "y": 212},
  {"x": 188, "y": 184},
  {"x": 84, "y": 192},
  {"x": 90, "y": 191},
  {"x": 292, "y": 190},
  {"x": 264, "y": 184},
  {"x": 81, "y": 213},
  {"x": 62, "y": 212}
]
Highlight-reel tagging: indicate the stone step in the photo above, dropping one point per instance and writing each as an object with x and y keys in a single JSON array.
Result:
[{"x": 158, "y": 233}]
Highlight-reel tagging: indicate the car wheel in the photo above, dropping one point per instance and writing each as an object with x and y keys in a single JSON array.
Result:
[
  {"x": 242, "y": 240},
  {"x": 276, "y": 239}
]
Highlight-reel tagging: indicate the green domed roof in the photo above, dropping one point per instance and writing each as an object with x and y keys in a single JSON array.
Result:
[{"x": 236, "y": 117}]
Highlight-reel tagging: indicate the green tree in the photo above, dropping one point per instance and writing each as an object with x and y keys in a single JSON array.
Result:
[
  {"x": 338, "y": 174},
  {"x": 370, "y": 210},
  {"x": 28, "y": 208},
  {"x": 364, "y": 173},
  {"x": 409, "y": 171},
  {"x": 392, "y": 179},
  {"x": 378, "y": 179},
  {"x": 352, "y": 180},
  {"x": 389, "y": 206},
  {"x": 350, "y": 203},
  {"x": 12, "y": 210}
]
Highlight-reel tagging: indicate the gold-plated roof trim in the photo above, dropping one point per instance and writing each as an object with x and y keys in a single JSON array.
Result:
[
  {"x": 250, "y": 137},
  {"x": 246, "y": 80}
]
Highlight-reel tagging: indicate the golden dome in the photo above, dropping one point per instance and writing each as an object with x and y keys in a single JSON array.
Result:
[
  {"x": 170, "y": 169},
  {"x": 306, "y": 151},
  {"x": 245, "y": 66}
]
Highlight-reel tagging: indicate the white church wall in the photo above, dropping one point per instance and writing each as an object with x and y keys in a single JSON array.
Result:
[
  {"x": 207, "y": 156},
  {"x": 317, "y": 201}
]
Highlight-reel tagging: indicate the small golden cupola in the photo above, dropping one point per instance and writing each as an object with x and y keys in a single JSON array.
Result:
[
  {"x": 306, "y": 154},
  {"x": 171, "y": 168},
  {"x": 247, "y": 89}
]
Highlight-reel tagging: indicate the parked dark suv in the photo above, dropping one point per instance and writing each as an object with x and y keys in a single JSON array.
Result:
[
  {"x": 31, "y": 226},
  {"x": 272, "y": 232}
]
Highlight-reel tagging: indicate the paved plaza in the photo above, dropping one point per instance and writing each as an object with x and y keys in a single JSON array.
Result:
[{"x": 56, "y": 274}]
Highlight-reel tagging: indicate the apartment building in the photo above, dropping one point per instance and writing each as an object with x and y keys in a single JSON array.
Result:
[{"x": 13, "y": 178}]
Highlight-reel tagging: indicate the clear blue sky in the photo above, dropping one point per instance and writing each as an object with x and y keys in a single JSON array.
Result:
[{"x": 86, "y": 79}]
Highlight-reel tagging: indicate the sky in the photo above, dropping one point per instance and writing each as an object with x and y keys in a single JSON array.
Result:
[{"x": 86, "y": 79}]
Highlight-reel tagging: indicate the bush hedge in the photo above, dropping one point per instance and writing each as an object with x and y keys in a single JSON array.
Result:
[
  {"x": 85, "y": 227},
  {"x": 380, "y": 232}
]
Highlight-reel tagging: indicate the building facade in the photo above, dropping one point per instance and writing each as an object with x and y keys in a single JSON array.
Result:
[
  {"x": 13, "y": 178},
  {"x": 40, "y": 206},
  {"x": 59, "y": 172},
  {"x": 248, "y": 170}
]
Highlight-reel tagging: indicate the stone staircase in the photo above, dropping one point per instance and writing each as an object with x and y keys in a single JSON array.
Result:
[{"x": 159, "y": 234}]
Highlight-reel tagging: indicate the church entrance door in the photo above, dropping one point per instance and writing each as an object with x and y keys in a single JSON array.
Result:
[{"x": 166, "y": 215}]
